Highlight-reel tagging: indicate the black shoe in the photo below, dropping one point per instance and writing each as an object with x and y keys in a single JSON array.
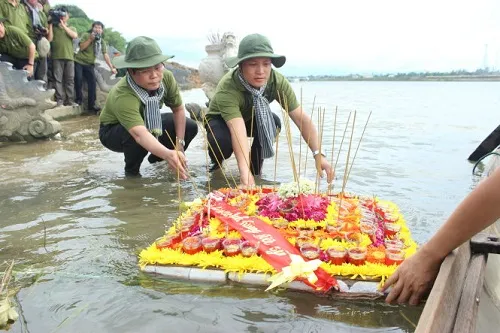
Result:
[
  {"x": 95, "y": 109},
  {"x": 153, "y": 159},
  {"x": 130, "y": 174}
]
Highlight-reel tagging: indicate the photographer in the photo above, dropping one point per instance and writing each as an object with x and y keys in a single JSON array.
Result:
[
  {"x": 17, "y": 48},
  {"x": 38, "y": 33},
  {"x": 63, "y": 67},
  {"x": 91, "y": 45}
]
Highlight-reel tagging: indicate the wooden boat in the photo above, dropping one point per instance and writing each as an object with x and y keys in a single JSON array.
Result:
[
  {"x": 466, "y": 294},
  {"x": 488, "y": 145}
]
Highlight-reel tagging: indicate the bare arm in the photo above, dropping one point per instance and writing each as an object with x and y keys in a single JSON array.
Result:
[
  {"x": 144, "y": 138},
  {"x": 86, "y": 44},
  {"x": 180, "y": 125},
  {"x": 72, "y": 34},
  {"x": 110, "y": 65},
  {"x": 478, "y": 210},
  {"x": 31, "y": 59},
  {"x": 310, "y": 136},
  {"x": 50, "y": 36},
  {"x": 241, "y": 150}
]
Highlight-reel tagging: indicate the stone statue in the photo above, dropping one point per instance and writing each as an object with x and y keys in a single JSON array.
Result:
[
  {"x": 22, "y": 107},
  {"x": 212, "y": 68}
]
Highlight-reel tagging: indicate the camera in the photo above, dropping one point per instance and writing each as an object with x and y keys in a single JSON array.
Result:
[
  {"x": 56, "y": 15},
  {"x": 97, "y": 37},
  {"x": 40, "y": 31}
]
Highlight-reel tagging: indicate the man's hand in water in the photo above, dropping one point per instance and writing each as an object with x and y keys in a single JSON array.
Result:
[{"x": 177, "y": 161}]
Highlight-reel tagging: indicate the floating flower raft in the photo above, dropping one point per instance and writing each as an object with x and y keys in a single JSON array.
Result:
[{"x": 290, "y": 237}]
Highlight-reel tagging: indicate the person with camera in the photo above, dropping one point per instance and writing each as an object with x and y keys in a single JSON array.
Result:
[
  {"x": 62, "y": 55},
  {"x": 14, "y": 14},
  {"x": 38, "y": 32},
  {"x": 17, "y": 48},
  {"x": 91, "y": 45}
]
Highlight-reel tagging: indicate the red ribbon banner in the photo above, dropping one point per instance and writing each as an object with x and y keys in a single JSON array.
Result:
[{"x": 274, "y": 248}]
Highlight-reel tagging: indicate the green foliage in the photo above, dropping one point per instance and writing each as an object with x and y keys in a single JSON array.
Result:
[{"x": 82, "y": 23}]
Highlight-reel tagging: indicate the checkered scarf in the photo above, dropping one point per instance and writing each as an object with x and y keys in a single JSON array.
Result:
[
  {"x": 152, "y": 114},
  {"x": 266, "y": 128}
]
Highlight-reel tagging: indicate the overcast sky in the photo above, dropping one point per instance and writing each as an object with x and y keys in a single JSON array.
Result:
[{"x": 321, "y": 37}]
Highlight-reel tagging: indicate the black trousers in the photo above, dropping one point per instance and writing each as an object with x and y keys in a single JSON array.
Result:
[
  {"x": 222, "y": 139},
  {"x": 116, "y": 138},
  {"x": 85, "y": 72},
  {"x": 18, "y": 63}
]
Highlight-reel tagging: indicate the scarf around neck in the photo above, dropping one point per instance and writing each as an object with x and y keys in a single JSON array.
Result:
[
  {"x": 36, "y": 16},
  {"x": 266, "y": 128},
  {"x": 152, "y": 114}
]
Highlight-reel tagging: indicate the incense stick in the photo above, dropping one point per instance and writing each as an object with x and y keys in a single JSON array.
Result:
[
  {"x": 330, "y": 185},
  {"x": 359, "y": 143},
  {"x": 308, "y": 138},
  {"x": 241, "y": 148}
]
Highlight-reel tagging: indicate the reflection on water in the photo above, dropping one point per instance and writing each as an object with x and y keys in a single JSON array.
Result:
[{"x": 75, "y": 225}]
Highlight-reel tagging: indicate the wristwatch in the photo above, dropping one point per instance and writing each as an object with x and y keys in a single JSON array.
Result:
[
  {"x": 317, "y": 152},
  {"x": 182, "y": 142}
]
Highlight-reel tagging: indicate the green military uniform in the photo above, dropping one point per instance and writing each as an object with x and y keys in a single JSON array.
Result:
[
  {"x": 15, "y": 15},
  {"x": 84, "y": 68},
  {"x": 62, "y": 44},
  {"x": 63, "y": 66},
  {"x": 88, "y": 56},
  {"x": 232, "y": 100},
  {"x": 15, "y": 43},
  {"x": 124, "y": 106}
]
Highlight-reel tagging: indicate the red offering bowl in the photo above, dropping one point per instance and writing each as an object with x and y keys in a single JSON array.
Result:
[
  {"x": 310, "y": 251},
  {"x": 391, "y": 229},
  {"x": 231, "y": 247},
  {"x": 191, "y": 245},
  {"x": 394, "y": 257},
  {"x": 248, "y": 249},
  {"x": 357, "y": 255},
  {"x": 166, "y": 241},
  {"x": 337, "y": 255},
  {"x": 301, "y": 240},
  {"x": 394, "y": 244},
  {"x": 210, "y": 244}
]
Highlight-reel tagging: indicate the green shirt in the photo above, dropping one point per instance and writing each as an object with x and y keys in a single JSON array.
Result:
[
  {"x": 15, "y": 43},
  {"x": 15, "y": 15},
  {"x": 124, "y": 106},
  {"x": 62, "y": 45},
  {"x": 87, "y": 56},
  {"x": 232, "y": 100}
]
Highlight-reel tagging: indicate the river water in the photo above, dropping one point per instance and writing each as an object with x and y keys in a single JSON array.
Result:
[{"x": 75, "y": 225}]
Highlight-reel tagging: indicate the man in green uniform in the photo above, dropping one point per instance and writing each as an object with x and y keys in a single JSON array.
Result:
[
  {"x": 91, "y": 45},
  {"x": 131, "y": 121},
  {"x": 62, "y": 55},
  {"x": 17, "y": 48},
  {"x": 15, "y": 14},
  {"x": 39, "y": 33},
  {"x": 243, "y": 95}
]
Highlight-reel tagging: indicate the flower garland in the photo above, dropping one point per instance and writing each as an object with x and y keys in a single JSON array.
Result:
[{"x": 327, "y": 221}]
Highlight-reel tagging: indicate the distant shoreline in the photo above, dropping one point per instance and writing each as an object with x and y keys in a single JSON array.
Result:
[{"x": 447, "y": 78}]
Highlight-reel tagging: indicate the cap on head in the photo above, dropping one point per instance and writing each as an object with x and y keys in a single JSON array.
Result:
[
  {"x": 141, "y": 52},
  {"x": 256, "y": 46}
]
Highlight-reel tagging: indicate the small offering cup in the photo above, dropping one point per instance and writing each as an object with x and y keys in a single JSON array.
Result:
[
  {"x": 357, "y": 255},
  {"x": 231, "y": 247},
  {"x": 191, "y": 245}
]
